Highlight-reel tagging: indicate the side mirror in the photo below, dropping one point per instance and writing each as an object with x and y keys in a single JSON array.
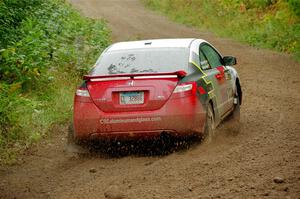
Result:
[{"x": 229, "y": 61}]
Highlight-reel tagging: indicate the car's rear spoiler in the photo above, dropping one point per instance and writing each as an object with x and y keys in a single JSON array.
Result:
[{"x": 179, "y": 74}]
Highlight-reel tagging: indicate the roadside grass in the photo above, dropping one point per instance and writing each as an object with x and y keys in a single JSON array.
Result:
[
  {"x": 33, "y": 114},
  {"x": 45, "y": 48},
  {"x": 273, "y": 24}
]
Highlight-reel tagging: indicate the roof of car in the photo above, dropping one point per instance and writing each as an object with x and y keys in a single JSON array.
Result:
[{"x": 154, "y": 43}]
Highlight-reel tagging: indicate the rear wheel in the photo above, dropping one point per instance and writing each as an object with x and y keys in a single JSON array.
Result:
[
  {"x": 70, "y": 136},
  {"x": 73, "y": 145},
  {"x": 209, "y": 124}
]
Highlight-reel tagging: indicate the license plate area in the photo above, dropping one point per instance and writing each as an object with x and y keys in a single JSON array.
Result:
[{"x": 131, "y": 97}]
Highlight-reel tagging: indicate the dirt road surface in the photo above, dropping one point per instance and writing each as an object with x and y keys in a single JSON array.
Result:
[{"x": 232, "y": 166}]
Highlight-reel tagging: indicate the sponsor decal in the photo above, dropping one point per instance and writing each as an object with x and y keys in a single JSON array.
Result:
[{"x": 130, "y": 120}]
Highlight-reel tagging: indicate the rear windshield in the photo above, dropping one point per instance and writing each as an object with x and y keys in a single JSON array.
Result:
[{"x": 154, "y": 60}]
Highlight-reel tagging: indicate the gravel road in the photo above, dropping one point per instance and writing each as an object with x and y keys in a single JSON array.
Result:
[{"x": 262, "y": 161}]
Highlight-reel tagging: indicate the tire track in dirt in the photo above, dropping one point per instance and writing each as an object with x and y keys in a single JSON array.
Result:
[{"x": 233, "y": 166}]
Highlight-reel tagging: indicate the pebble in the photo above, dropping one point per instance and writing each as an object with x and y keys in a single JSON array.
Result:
[
  {"x": 278, "y": 180},
  {"x": 266, "y": 194},
  {"x": 190, "y": 188},
  {"x": 148, "y": 163},
  {"x": 286, "y": 189},
  {"x": 230, "y": 179},
  {"x": 113, "y": 192},
  {"x": 92, "y": 170}
]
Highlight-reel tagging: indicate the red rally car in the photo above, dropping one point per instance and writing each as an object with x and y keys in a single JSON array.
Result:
[{"x": 141, "y": 89}]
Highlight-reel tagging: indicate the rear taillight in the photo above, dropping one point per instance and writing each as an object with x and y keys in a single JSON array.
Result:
[
  {"x": 82, "y": 93},
  {"x": 185, "y": 89}
]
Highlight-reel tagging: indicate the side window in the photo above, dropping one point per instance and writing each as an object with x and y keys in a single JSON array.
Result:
[
  {"x": 196, "y": 63},
  {"x": 213, "y": 57},
  {"x": 203, "y": 61}
]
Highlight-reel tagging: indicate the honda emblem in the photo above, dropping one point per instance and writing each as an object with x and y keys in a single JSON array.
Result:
[{"x": 130, "y": 83}]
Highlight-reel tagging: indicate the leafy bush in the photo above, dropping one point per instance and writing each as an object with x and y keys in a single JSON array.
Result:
[
  {"x": 12, "y": 13},
  {"x": 295, "y": 6},
  {"x": 273, "y": 24},
  {"x": 42, "y": 42},
  {"x": 45, "y": 46}
]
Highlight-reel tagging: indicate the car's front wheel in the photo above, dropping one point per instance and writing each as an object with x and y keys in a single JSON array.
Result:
[{"x": 233, "y": 120}]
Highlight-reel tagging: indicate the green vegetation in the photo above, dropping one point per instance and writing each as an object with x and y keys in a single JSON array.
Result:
[
  {"x": 273, "y": 24},
  {"x": 45, "y": 47}
]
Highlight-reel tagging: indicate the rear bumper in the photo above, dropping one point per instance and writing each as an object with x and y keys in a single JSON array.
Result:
[{"x": 179, "y": 116}]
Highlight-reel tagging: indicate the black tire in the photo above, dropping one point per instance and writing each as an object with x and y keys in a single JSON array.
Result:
[
  {"x": 233, "y": 120},
  {"x": 235, "y": 115},
  {"x": 209, "y": 124},
  {"x": 70, "y": 136}
]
